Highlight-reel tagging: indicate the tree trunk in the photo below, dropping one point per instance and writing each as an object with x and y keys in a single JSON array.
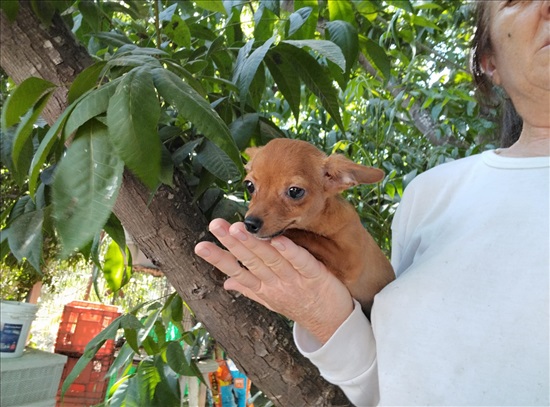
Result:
[{"x": 167, "y": 227}]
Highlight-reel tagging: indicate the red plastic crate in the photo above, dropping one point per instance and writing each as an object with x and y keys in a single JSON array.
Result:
[
  {"x": 90, "y": 387},
  {"x": 80, "y": 323}
]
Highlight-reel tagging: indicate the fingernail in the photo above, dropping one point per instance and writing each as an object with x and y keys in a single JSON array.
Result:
[
  {"x": 218, "y": 232},
  {"x": 202, "y": 251},
  {"x": 277, "y": 245}
]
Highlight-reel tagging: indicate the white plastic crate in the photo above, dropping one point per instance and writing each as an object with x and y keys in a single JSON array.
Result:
[{"x": 32, "y": 379}]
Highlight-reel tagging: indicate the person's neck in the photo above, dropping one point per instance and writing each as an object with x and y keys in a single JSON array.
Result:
[{"x": 533, "y": 142}]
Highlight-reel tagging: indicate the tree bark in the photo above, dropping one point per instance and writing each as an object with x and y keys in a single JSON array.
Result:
[{"x": 167, "y": 227}]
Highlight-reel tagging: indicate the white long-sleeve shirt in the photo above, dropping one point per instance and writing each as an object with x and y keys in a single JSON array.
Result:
[{"x": 466, "y": 322}]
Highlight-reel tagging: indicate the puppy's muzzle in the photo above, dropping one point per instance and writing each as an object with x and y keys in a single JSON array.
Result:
[{"x": 253, "y": 224}]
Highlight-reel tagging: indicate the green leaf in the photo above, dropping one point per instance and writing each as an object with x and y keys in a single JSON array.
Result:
[
  {"x": 132, "y": 118},
  {"x": 285, "y": 77},
  {"x": 45, "y": 147},
  {"x": 113, "y": 38},
  {"x": 25, "y": 129},
  {"x": 23, "y": 98},
  {"x": 167, "y": 391},
  {"x": 315, "y": 78},
  {"x": 131, "y": 326},
  {"x": 244, "y": 128},
  {"x": 198, "y": 111},
  {"x": 307, "y": 30},
  {"x": 4, "y": 245},
  {"x": 402, "y": 4},
  {"x": 86, "y": 80},
  {"x": 133, "y": 60},
  {"x": 11, "y": 8},
  {"x": 44, "y": 10},
  {"x": 377, "y": 55},
  {"x": 135, "y": 50},
  {"x": 122, "y": 360},
  {"x": 423, "y": 22},
  {"x": 91, "y": 13},
  {"x": 184, "y": 151},
  {"x": 217, "y": 162},
  {"x": 19, "y": 171},
  {"x": 341, "y": 10},
  {"x": 92, "y": 105},
  {"x": 25, "y": 237},
  {"x": 116, "y": 272},
  {"x": 328, "y": 49},
  {"x": 114, "y": 229},
  {"x": 178, "y": 31},
  {"x": 147, "y": 379},
  {"x": 249, "y": 68},
  {"x": 264, "y": 23},
  {"x": 211, "y": 5},
  {"x": 344, "y": 35},
  {"x": 175, "y": 358},
  {"x": 85, "y": 186},
  {"x": 298, "y": 19},
  {"x": 166, "y": 167}
]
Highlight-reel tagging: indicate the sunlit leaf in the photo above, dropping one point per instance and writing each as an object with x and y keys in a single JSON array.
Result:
[
  {"x": 116, "y": 272},
  {"x": 211, "y": 5},
  {"x": 341, "y": 10}
]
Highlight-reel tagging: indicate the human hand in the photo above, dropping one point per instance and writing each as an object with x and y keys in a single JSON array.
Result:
[{"x": 280, "y": 275}]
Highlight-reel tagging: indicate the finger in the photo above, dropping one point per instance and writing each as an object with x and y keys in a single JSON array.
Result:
[
  {"x": 301, "y": 260},
  {"x": 227, "y": 264},
  {"x": 256, "y": 250},
  {"x": 221, "y": 229}
]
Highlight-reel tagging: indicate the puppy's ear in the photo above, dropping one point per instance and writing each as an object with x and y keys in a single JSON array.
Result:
[
  {"x": 341, "y": 174},
  {"x": 251, "y": 152}
]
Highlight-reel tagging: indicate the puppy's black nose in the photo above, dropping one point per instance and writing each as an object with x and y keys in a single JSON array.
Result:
[{"x": 253, "y": 224}]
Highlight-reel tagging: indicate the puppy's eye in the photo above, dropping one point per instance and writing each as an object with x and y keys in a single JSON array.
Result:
[
  {"x": 249, "y": 186},
  {"x": 295, "y": 192}
]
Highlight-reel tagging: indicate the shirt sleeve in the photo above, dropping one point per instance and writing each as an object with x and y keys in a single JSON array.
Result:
[{"x": 348, "y": 359}]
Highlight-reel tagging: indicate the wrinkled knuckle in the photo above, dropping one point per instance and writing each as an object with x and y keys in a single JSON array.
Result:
[
  {"x": 274, "y": 263},
  {"x": 254, "y": 264}
]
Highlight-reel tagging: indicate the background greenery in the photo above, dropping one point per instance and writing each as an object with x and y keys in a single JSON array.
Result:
[{"x": 186, "y": 86}]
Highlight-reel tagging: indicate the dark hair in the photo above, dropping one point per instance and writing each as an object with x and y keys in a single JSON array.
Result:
[{"x": 511, "y": 122}]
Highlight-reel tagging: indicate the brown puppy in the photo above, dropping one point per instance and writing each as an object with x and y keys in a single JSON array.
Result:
[{"x": 295, "y": 190}]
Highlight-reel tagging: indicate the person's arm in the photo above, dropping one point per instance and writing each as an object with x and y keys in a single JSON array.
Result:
[{"x": 347, "y": 359}]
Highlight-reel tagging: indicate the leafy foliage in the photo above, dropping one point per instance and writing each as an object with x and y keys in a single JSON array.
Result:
[{"x": 187, "y": 86}]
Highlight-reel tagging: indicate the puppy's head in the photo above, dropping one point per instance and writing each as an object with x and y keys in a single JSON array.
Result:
[{"x": 290, "y": 181}]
